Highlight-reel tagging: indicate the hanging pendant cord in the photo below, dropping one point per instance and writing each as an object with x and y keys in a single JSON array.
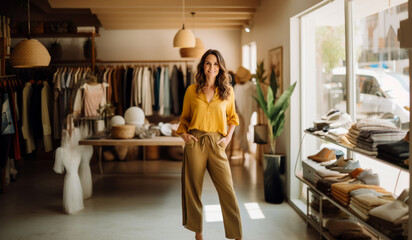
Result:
[
  {"x": 183, "y": 14},
  {"x": 28, "y": 18}
]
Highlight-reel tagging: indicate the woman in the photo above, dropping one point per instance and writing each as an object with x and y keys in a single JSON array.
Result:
[{"x": 208, "y": 111}]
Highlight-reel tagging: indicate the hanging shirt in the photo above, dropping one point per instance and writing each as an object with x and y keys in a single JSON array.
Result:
[{"x": 213, "y": 116}]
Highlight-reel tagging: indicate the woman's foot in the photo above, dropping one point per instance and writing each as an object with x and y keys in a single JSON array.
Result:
[{"x": 199, "y": 236}]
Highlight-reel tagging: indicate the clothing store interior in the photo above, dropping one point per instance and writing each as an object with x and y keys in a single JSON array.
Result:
[{"x": 92, "y": 93}]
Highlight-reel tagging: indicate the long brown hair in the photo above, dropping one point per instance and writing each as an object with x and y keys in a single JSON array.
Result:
[{"x": 222, "y": 79}]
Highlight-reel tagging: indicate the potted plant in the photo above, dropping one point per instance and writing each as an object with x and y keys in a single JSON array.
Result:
[
  {"x": 87, "y": 49},
  {"x": 55, "y": 50},
  {"x": 274, "y": 110}
]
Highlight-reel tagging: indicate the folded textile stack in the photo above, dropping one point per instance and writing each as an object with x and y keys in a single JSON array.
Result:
[
  {"x": 388, "y": 218},
  {"x": 363, "y": 203},
  {"x": 327, "y": 207},
  {"x": 396, "y": 152},
  {"x": 341, "y": 191},
  {"x": 325, "y": 184},
  {"x": 346, "y": 229},
  {"x": 366, "y": 134},
  {"x": 405, "y": 221},
  {"x": 336, "y": 134}
]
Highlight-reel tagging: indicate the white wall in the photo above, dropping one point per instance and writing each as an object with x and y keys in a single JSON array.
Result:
[
  {"x": 150, "y": 45},
  {"x": 270, "y": 29}
]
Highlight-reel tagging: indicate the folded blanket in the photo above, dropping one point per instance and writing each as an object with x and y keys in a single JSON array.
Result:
[
  {"x": 369, "y": 201},
  {"x": 388, "y": 137},
  {"x": 370, "y": 153},
  {"x": 374, "y": 123},
  {"x": 379, "y": 132},
  {"x": 390, "y": 158},
  {"x": 346, "y": 188},
  {"x": 364, "y": 216},
  {"x": 398, "y": 149}
]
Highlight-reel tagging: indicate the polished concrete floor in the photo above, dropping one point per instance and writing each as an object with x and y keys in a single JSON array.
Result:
[{"x": 128, "y": 204}]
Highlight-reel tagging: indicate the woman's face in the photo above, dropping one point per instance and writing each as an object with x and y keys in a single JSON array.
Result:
[{"x": 211, "y": 66}]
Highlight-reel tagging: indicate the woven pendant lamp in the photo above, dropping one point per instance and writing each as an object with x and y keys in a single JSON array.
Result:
[
  {"x": 195, "y": 52},
  {"x": 30, "y": 53},
  {"x": 184, "y": 38}
]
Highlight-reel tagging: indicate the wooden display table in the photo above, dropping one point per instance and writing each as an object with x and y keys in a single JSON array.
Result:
[{"x": 156, "y": 141}]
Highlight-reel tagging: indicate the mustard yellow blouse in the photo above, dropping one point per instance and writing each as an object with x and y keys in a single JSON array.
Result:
[{"x": 199, "y": 114}]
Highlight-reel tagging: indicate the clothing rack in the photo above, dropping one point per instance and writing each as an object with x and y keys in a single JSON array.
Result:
[
  {"x": 7, "y": 76},
  {"x": 144, "y": 61}
]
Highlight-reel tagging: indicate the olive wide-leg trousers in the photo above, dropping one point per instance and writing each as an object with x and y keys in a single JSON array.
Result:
[{"x": 199, "y": 156}]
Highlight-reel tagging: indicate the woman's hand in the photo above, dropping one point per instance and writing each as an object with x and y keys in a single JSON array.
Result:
[
  {"x": 225, "y": 140},
  {"x": 186, "y": 137}
]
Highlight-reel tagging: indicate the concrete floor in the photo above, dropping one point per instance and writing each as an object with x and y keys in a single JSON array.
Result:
[{"x": 130, "y": 205}]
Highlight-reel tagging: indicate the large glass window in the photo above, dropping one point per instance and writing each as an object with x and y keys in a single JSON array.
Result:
[{"x": 380, "y": 74}]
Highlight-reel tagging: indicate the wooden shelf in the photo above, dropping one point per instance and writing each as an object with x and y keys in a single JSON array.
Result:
[
  {"x": 56, "y": 35},
  {"x": 299, "y": 175},
  {"x": 399, "y": 166}
]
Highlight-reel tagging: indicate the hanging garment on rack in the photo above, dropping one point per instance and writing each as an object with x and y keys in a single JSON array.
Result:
[
  {"x": 174, "y": 90},
  {"x": 161, "y": 91},
  {"x": 46, "y": 107},
  {"x": 35, "y": 110},
  {"x": 26, "y": 128},
  {"x": 16, "y": 137},
  {"x": 147, "y": 104},
  {"x": 156, "y": 88},
  {"x": 167, "y": 103},
  {"x": 7, "y": 130},
  {"x": 128, "y": 77},
  {"x": 134, "y": 94},
  {"x": 56, "y": 104},
  {"x": 119, "y": 90},
  {"x": 181, "y": 91}
]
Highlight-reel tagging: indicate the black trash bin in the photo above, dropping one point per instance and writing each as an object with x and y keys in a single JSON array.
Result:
[{"x": 273, "y": 167}]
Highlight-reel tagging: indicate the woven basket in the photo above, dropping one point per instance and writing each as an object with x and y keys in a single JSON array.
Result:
[{"x": 123, "y": 131}]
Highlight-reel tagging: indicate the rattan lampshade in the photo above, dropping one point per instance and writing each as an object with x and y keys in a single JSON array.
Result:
[
  {"x": 30, "y": 53},
  {"x": 184, "y": 38},
  {"x": 195, "y": 52}
]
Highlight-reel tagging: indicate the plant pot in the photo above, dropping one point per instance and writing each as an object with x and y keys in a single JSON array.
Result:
[
  {"x": 273, "y": 183},
  {"x": 55, "y": 52},
  {"x": 99, "y": 126},
  {"x": 260, "y": 134},
  {"x": 87, "y": 52}
]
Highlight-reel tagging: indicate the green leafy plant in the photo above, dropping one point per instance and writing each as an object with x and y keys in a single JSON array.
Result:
[{"x": 273, "y": 108}]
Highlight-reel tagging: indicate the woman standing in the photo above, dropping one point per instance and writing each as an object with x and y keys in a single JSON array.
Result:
[{"x": 206, "y": 125}]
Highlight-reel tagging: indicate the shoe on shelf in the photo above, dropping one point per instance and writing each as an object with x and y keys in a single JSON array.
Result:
[
  {"x": 348, "y": 167},
  {"x": 324, "y": 155},
  {"x": 329, "y": 113}
]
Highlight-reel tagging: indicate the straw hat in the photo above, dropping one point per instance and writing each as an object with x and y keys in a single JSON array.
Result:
[{"x": 242, "y": 75}]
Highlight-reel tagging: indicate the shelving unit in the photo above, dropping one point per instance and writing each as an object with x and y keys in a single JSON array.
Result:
[
  {"x": 3, "y": 53},
  {"x": 312, "y": 189},
  {"x": 91, "y": 35},
  {"x": 400, "y": 166}
]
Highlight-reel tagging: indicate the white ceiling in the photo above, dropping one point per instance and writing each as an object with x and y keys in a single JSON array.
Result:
[{"x": 161, "y": 14}]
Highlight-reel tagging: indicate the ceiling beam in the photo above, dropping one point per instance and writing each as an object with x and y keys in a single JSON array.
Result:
[
  {"x": 197, "y": 10},
  {"x": 133, "y": 16},
  {"x": 177, "y": 21},
  {"x": 151, "y": 3},
  {"x": 165, "y": 26}
]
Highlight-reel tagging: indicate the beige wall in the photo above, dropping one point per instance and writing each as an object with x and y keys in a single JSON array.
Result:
[
  {"x": 270, "y": 29},
  {"x": 150, "y": 45},
  {"x": 158, "y": 44}
]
